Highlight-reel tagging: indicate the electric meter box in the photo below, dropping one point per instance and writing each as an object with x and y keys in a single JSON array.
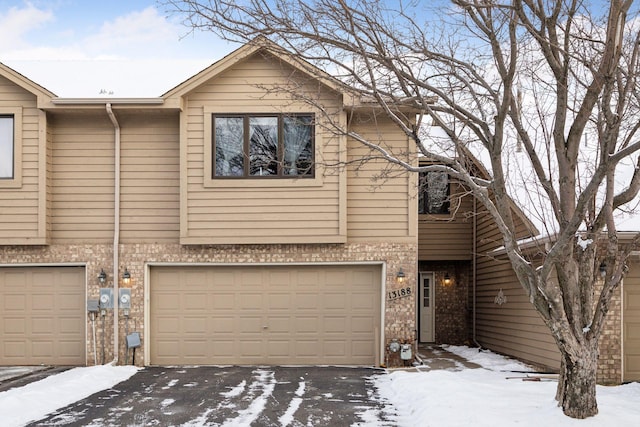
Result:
[
  {"x": 405, "y": 352},
  {"x": 106, "y": 298},
  {"x": 92, "y": 305}
]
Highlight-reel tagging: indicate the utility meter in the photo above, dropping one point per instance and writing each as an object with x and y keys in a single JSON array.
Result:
[
  {"x": 106, "y": 298},
  {"x": 405, "y": 352},
  {"x": 125, "y": 298}
]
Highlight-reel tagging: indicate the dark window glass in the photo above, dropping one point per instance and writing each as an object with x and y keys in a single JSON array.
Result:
[
  {"x": 434, "y": 192},
  {"x": 6, "y": 147},
  {"x": 298, "y": 145},
  {"x": 252, "y": 146},
  {"x": 263, "y": 146},
  {"x": 229, "y": 143}
]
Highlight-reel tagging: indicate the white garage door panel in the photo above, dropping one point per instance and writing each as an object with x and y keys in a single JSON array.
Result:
[
  {"x": 264, "y": 315},
  {"x": 43, "y": 315}
]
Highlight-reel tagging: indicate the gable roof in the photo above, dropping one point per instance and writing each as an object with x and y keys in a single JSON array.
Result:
[
  {"x": 25, "y": 83},
  {"x": 247, "y": 50}
]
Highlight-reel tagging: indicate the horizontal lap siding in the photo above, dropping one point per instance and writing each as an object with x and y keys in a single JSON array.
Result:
[
  {"x": 19, "y": 205},
  {"x": 254, "y": 210},
  {"x": 378, "y": 205},
  {"x": 448, "y": 237},
  {"x": 514, "y": 327},
  {"x": 150, "y": 177},
  {"x": 82, "y": 178}
]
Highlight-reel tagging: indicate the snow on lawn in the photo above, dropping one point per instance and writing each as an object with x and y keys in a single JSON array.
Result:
[
  {"x": 34, "y": 401},
  {"x": 485, "y": 397}
]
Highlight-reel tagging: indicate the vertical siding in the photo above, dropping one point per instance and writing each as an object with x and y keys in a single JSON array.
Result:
[
  {"x": 515, "y": 327},
  {"x": 150, "y": 177},
  {"x": 257, "y": 210},
  {"x": 377, "y": 191},
  {"x": 20, "y": 198},
  {"x": 448, "y": 237},
  {"x": 82, "y": 178}
]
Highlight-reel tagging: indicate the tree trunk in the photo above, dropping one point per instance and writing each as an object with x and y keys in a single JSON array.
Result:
[{"x": 577, "y": 383}]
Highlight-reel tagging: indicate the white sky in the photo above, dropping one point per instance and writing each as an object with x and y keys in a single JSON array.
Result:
[{"x": 123, "y": 48}]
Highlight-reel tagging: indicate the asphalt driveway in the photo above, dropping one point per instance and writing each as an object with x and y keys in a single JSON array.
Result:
[{"x": 232, "y": 396}]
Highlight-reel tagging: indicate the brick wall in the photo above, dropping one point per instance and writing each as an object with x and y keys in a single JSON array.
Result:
[
  {"x": 610, "y": 345},
  {"x": 451, "y": 301},
  {"x": 400, "y": 319}
]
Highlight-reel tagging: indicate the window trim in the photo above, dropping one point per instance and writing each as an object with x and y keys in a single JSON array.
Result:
[
  {"x": 243, "y": 182},
  {"x": 16, "y": 181}
]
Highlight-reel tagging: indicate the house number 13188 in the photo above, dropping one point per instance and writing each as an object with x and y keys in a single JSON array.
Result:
[{"x": 399, "y": 293}]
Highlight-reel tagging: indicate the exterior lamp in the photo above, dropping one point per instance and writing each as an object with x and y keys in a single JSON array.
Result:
[
  {"x": 126, "y": 277},
  {"x": 400, "y": 276},
  {"x": 447, "y": 279},
  {"x": 102, "y": 277},
  {"x": 602, "y": 270}
]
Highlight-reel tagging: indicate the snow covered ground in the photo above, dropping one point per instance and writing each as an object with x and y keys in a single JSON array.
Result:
[
  {"x": 484, "y": 397},
  {"x": 478, "y": 397}
]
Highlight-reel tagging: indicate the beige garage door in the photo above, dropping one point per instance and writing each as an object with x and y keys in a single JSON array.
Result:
[
  {"x": 631, "y": 332},
  {"x": 43, "y": 315},
  {"x": 265, "y": 315}
]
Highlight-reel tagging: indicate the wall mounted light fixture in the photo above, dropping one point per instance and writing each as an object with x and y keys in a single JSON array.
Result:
[
  {"x": 447, "y": 279},
  {"x": 400, "y": 276},
  {"x": 102, "y": 277},
  {"x": 602, "y": 270},
  {"x": 126, "y": 277}
]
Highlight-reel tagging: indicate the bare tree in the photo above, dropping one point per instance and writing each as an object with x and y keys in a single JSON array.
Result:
[{"x": 555, "y": 80}]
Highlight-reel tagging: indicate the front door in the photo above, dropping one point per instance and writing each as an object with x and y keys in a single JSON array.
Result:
[{"x": 426, "y": 308}]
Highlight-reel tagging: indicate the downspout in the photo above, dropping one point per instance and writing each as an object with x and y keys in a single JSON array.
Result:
[
  {"x": 475, "y": 267},
  {"x": 116, "y": 232}
]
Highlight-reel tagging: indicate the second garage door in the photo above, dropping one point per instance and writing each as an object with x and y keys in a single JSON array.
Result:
[
  {"x": 264, "y": 314},
  {"x": 42, "y": 315}
]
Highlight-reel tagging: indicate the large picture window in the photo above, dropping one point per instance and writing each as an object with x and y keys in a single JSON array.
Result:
[
  {"x": 252, "y": 146},
  {"x": 434, "y": 193},
  {"x": 7, "y": 147}
]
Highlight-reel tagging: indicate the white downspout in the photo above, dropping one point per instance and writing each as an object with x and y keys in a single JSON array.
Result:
[
  {"x": 475, "y": 267},
  {"x": 116, "y": 233}
]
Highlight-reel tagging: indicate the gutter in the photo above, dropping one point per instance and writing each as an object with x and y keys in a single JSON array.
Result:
[
  {"x": 107, "y": 101},
  {"x": 116, "y": 233}
]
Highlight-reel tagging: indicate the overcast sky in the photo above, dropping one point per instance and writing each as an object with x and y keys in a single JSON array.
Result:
[{"x": 123, "y": 48}]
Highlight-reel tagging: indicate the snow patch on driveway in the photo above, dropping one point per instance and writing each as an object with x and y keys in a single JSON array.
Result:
[
  {"x": 57, "y": 391},
  {"x": 287, "y": 417},
  {"x": 265, "y": 381}
]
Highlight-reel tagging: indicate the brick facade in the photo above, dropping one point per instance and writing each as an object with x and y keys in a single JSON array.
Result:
[
  {"x": 610, "y": 358},
  {"x": 399, "y": 315},
  {"x": 451, "y": 302}
]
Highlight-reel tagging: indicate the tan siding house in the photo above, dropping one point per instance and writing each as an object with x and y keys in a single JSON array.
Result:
[
  {"x": 227, "y": 222},
  {"x": 224, "y": 212},
  {"x": 23, "y": 211}
]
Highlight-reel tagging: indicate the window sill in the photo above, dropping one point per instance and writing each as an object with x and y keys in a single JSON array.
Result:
[{"x": 263, "y": 183}]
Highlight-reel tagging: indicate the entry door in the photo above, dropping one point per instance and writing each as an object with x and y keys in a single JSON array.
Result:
[{"x": 426, "y": 308}]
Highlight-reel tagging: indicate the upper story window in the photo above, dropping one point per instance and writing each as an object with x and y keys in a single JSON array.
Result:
[
  {"x": 255, "y": 145},
  {"x": 434, "y": 193},
  {"x": 6, "y": 147}
]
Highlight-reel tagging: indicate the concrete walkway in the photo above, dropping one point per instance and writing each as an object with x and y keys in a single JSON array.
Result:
[{"x": 435, "y": 357}]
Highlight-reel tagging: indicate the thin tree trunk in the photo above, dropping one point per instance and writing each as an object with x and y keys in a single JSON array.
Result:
[{"x": 577, "y": 382}]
